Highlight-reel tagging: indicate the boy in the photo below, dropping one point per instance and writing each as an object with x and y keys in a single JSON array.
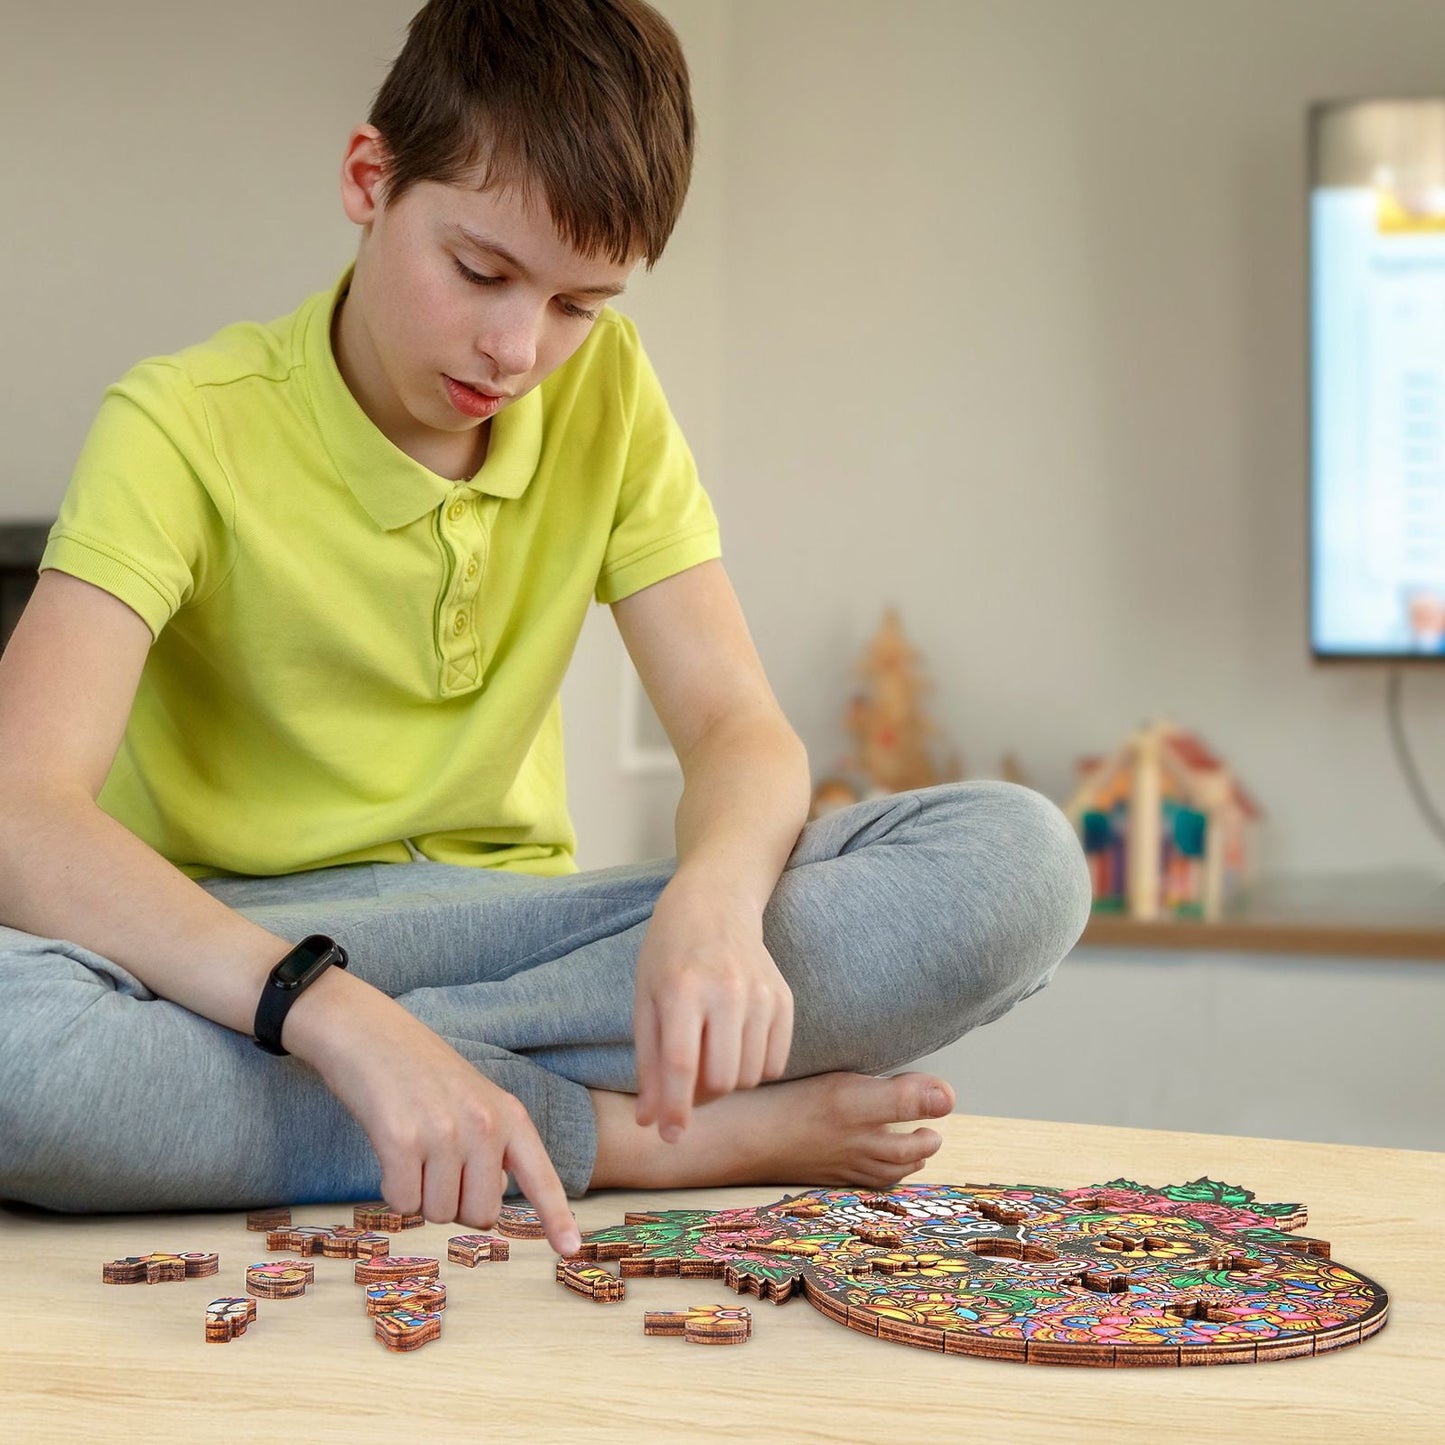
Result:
[{"x": 282, "y": 753}]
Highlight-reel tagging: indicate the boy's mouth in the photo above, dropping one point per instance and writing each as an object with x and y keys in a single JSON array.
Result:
[{"x": 471, "y": 400}]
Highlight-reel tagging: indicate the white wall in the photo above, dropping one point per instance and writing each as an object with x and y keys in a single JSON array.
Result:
[{"x": 995, "y": 312}]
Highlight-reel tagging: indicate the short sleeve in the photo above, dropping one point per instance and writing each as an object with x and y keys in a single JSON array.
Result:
[
  {"x": 664, "y": 522},
  {"x": 149, "y": 514}
]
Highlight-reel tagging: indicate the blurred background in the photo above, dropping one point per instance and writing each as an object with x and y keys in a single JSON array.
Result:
[{"x": 990, "y": 311}]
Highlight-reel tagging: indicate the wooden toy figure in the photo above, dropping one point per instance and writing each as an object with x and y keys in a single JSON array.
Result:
[{"x": 891, "y": 731}]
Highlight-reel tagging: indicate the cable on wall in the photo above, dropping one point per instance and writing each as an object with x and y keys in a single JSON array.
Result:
[{"x": 1407, "y": 763}]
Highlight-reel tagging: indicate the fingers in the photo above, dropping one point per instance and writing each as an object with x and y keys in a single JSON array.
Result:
[
  {"x": 679, "y": 1049},
  {"x": 721, "y": 1051},
  {"x": 441, "y": 1186},
  {"x": 780, "y": 1039},
  {"x": 483, "y": 1185},
  {"x": 645, "y": 1038},
  {"x": 527, "y": 1159}
]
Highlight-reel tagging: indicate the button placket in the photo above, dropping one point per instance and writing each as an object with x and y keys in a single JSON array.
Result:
[{"x": 459, "y": 642}]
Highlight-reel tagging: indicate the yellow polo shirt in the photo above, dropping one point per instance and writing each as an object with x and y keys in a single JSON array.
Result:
[{"x": 351, "y": 651}]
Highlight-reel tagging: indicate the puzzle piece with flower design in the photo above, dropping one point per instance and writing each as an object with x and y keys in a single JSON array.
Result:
[
  {"x": 159, "y": 1268},
  {"x": 474, "y": 1249},
  {"x": 1113, "y": 1275},
  {"x": 591, "y": 1281},
  {"x": 421, "y": 1296},
  {"x": 227, "y": 1318},
  {"x": 381, "y": 1215},
  {"x": 392, "y": 1267},
  {"x": 702, "y": 1324},
  {"x": 403, "y": 1329},
  {"x": 280, "y": 1278},
  {"x": 333, "y": 1241},
  {"x": 265, "y": 1220}
]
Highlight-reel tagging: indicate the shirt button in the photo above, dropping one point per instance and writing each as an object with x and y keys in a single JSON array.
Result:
[
  {"x": 459, "y": 623},
  {"x": 456, "y": 511},
  {"x": 471, "y": 567}
]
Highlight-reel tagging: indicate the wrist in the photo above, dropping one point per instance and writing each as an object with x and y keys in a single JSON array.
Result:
[{"x": 716, "y": 889}]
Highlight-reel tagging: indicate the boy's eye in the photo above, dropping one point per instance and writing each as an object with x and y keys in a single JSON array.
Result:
[
  {"x": 580, "y": 312},
  {"x": 468, "y": 274},
  {"x": 570, "y": 308}
]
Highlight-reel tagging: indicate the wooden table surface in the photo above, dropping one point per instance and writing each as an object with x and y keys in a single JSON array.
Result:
[{"x": 522, "y": 1359}]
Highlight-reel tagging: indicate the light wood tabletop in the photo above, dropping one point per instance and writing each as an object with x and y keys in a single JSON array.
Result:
[{"x": 522, "y": 1359}]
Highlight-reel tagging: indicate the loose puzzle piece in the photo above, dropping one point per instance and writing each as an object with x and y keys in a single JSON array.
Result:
[
  {"x": 591, "y": 1281},
  {"x": 334, "y": 1241},
  {"x": 1114, "y": 1274},
  {"x": 227, "y": 1318},
  {"x": 421, "y": 1296},
  {"x": 702, "y": 1324},
  {"x": 280, "y": 1278},
  {"x": 404, "y": 1329},
  {"x": 268, "y": 1219},
  {"x": 156, "y": 1268},
  {"x": 520, "y": 1221},
  {"x": 381, "y": 1215},
  {"x": 395, "y": 1267},
  {"x": 474, "y": 1249}
]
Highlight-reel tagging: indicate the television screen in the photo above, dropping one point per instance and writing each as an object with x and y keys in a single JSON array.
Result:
[{"x": 1377, "y": 379}]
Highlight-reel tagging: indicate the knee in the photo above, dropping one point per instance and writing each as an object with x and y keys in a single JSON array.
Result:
[
  {"x": 1022, "y": 885},
  {"x": 42, "y": 996}
]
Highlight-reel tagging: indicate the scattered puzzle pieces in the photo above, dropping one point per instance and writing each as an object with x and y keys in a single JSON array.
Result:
[
  {"x": 591, "y": 1281},
  {"x": 334, "y": 1241},
  {"x": 1112, "y": 1275},
  {"x": 702, "y": 1324},
  {"x": 280, "y": 1278},
  {"x": 402, "y": 1330},
  {"x": 420, "y": 1296},
  {"x": 381, "y": 1215},
  {"x": 227, "y": 1318},
  {"x": 474, "y": 1249},
  {"x": 267, "y": 1219},
  {"x": 395, "y": 1267},
  {"x": 156, "y": 1268}
]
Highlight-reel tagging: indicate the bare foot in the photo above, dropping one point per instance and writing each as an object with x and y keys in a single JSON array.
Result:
[{"x": 830, "y": 1129}]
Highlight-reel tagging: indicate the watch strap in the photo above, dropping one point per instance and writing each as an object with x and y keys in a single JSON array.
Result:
[{"x": 290, "y": 978}]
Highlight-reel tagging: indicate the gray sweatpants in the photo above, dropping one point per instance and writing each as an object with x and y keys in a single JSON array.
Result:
[{"x": 900, "y": 924}]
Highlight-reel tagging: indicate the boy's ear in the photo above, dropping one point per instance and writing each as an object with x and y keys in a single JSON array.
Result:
[{"x": 361, "y": 195}]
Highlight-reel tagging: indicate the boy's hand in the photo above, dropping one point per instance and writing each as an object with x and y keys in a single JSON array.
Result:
[
  {"x": 711, "y": 1012},
  {"x": 445, "y": 1135}
]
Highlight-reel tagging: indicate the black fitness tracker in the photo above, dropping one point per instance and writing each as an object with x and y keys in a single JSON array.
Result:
[{"x": 296, "y": 972}]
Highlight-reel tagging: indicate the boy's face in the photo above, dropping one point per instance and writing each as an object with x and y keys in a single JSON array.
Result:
[{"x": 430, "y": 307}]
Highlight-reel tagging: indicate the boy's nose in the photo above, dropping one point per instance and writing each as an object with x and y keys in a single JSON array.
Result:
[{"x": 512, "y": 346}]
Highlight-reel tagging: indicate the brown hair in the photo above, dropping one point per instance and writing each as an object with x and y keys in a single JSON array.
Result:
[{"x": 585, "y": 102}]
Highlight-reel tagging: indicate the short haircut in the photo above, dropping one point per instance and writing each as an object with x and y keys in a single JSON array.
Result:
[{"x": 584, "y": 103}]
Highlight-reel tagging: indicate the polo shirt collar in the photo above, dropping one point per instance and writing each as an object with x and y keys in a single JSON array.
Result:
[{"x": 394, "y": 488}]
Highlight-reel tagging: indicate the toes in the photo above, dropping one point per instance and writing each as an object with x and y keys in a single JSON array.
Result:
[
  {"x": 921, "y": 1096},
  {"x": 896, "y": 1148}
]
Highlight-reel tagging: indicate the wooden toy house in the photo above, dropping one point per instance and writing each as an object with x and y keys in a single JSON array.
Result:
[{"x": 1167, "y": 829}]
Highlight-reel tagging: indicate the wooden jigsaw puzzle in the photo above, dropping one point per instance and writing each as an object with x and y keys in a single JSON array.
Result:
[
  {"x": 333, "y": 1241},
  {"x": 158, "y": 1268},
  {"x": 227, "y": 1318},
  {"x": 474, "y": 1249},
  {"x": 381, "y": 1215},
  {"x": 391, "y": 1267},
  {"x": 1114, "y": 1274},
  {"x": 280, "y": 1278},
  {"x": 702, "y": 1324},
  {"x": 264, "y": 1220},
  {"x": 420, "y": 1296},
  {"x": 591, "y": 1281}
]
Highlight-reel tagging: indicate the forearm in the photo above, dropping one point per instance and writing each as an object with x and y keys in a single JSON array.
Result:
[
  {"x": 744, "y": 802},
  {"x": 68, "y": 870}
]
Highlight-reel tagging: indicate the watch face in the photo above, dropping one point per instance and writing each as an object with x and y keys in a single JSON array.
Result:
[{"x": 304, "y": 961}]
